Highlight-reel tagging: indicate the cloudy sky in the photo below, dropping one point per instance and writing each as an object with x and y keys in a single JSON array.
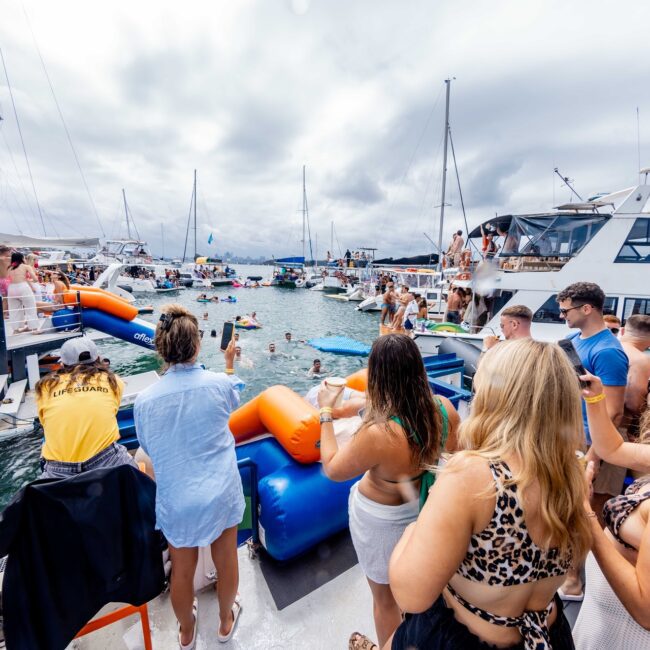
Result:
[{"x": 248, "y": 91}]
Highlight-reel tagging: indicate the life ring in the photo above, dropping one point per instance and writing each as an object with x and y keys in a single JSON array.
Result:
[
  {"x": 447, "y": 327},
  {"x": 463, "y": 276},
  {"x": 300, "y": 282}
]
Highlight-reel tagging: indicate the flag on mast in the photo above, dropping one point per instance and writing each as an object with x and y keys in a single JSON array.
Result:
[{"x": 210, "y": 239}]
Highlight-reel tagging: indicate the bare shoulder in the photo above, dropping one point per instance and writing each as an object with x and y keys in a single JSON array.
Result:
[{"x": 469, "y": 471}]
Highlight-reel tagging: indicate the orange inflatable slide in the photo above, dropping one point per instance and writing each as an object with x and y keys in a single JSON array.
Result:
[
  {"x": 102, "y": 300},
  {"x": 291, "y": 419}
]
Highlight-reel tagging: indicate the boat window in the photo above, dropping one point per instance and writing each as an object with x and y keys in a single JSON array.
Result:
[
  {"x": 637, "y": 245},
  {"x": 549, "y": 235},
  {"x": 634, "y": 306},
  {"x": 549, "y": 312}
]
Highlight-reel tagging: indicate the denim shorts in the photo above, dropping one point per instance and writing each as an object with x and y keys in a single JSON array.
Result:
[{"x": 114, "y": 455}]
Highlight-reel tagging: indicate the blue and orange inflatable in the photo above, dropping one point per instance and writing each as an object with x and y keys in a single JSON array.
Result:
[{"x": 298, "y": 505}]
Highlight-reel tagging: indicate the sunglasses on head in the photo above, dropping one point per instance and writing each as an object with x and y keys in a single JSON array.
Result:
[{"x": 614, "y": 330}]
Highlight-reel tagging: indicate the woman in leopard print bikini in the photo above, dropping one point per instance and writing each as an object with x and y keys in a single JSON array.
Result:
[{"x": 504, "y": 520}]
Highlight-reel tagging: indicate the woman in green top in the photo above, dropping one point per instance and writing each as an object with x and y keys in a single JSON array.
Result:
[{"x": 404, "y": 430}]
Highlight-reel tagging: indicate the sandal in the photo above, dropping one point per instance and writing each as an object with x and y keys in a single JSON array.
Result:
[
  {"x": 359, "y": 641},
  {"x": 192, "y": 643},
  {"x": 236, "y": 611}
]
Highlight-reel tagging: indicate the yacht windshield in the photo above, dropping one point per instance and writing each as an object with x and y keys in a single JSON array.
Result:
[{"x": 558, "y": 235}]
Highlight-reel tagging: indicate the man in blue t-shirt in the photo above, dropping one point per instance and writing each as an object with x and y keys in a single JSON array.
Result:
[{"x": 581, "y": 306}]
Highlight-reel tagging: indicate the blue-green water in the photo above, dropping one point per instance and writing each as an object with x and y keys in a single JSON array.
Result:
[{"x": 306, "y": 314}]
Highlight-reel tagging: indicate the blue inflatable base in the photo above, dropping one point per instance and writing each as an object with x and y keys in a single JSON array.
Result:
[
  {"x": 340, "y": 345},
  {"x": 137, "y": 331},
  {"x": 298, "y": 505}
]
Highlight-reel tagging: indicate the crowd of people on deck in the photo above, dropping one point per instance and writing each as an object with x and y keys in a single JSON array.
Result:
[
  {"x": 350, "y": 259},
  {"x": 471, "y": 534}
]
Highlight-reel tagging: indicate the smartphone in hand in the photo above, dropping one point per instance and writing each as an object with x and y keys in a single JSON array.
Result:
[
  {"x": 575, "y": 360},
  {"x": 226, "y": 334}
]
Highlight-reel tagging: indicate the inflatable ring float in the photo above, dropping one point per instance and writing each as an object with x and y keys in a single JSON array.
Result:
[
  {"x": 463, "y": 276},
  {"x": 447, "y": 327},
  {"x": 247, "y": 326},
  {"x": 300, "y": 282}
]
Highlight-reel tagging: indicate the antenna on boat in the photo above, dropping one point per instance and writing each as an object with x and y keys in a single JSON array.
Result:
[
  {"x": 567, "y": 181},
  {"x": 444, "y": 173},
  {"x": 638, "y": 142}
]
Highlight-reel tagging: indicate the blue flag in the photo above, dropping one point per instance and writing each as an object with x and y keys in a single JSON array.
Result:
[{"x": 210, "y": 239}]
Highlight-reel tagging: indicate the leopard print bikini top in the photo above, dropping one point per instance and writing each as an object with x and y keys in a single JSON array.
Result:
[
  {"x": 618, "y": 509},
  {"x": 503, "y": 553}
]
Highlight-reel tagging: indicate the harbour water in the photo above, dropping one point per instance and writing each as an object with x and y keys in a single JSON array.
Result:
[{"x": 306, "y": 314}]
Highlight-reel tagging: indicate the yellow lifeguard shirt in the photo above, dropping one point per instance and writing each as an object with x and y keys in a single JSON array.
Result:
[{"x": 79, "y": 420}]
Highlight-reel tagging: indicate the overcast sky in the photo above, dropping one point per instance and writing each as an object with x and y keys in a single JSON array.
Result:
[{"x": 248, "y": 91}]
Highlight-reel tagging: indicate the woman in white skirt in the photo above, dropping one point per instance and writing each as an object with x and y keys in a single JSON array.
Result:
[
  {"x": 404, "y": 430},
  {"x": 615, "y": 612},
  {"x": 22, "y": 304}
]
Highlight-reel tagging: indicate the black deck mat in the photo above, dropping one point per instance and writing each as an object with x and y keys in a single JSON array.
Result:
[{"x": 292, "y": 580}]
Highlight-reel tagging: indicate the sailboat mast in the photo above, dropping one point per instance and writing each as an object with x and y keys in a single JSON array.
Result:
[
  {"x": 126, "y": 212},
  {"x": 162, "y": 236},
  {"x": 195, "y": 215},
  {"x": 331, "y": 237},
  {"x": 444, "y": 177},
  {"x": 304, "y": 201}
]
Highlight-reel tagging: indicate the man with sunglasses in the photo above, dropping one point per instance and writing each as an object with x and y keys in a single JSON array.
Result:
[{"x": 601, "y": 353}]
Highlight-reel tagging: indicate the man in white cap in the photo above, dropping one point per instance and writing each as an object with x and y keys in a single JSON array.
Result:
[{"x": 77, "y": 407}]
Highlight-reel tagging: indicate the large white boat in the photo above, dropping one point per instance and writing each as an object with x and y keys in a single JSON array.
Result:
[{"x": 606, "y": 241}]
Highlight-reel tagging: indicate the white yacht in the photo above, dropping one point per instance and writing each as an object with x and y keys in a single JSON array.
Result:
[
  {"x": 427, "y": 282},
  {"x": 126, "y": 251},
  {"x": 605, "y": 240}
]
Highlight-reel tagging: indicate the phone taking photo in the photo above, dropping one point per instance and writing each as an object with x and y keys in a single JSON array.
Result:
[
  {"x": 574, "y": 358},
  {"x": 226, "y": 334}
]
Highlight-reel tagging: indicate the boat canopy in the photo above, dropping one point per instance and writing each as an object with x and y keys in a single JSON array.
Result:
[
  {"x": 23, "y": 241},
  {"x": 557, "y": 234},
  {"x": 290, "y": 260},
  {"x": 415, "y": 260}
]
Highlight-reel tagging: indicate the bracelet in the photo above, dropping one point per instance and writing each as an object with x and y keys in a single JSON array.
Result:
[
  {"x": 324, "y": 419},
  {"x": 230, "y": 371},
  {"x": 325, "y": 409},
  {"x": 592, "y": 514},
  {"x": 596, "y": 398}
]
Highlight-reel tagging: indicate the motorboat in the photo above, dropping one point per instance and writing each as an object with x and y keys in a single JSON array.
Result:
[{"x": 605, "y": 240}]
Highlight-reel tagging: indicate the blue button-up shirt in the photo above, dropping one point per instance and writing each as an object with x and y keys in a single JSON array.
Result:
[{"x": 182, "y": 424}]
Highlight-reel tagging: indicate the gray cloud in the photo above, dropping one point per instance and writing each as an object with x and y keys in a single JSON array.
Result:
[{"x": 249, "y": 92}]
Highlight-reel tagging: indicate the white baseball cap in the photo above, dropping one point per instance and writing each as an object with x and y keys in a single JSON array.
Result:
[{"x": 78, "y": 350}]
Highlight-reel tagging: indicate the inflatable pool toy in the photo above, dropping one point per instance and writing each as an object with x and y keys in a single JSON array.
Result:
[
  {"x": 229, "y": 300},
  {"x": 106, "y": 312},
  {"x": 237, "y": 285},
  {"x": 247, "y": 325},
  {"x": 358, "y": 380},
  {"x": 203, "y": 300},
  {"x": 289, "y": 521},
  {"x": 446, "y": 327},
  {"x": 288, "y": 417},
  {"x": 340, "y": 345}
]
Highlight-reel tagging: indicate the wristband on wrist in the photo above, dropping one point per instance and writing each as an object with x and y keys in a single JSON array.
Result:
[
  {"x": 230, "y": 371},
  {"x": 596, "y": 398},
  {"x": 325, "y": 418},
  {"x": 325, "y": 409},
  {"x": 592, "y": 514}
]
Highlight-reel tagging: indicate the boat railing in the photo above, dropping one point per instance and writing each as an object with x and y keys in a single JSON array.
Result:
[{"x": 29, "y": 326}]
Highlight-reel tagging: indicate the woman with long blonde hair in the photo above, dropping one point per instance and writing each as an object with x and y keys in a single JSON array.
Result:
[{"x": 505, "y": 520}]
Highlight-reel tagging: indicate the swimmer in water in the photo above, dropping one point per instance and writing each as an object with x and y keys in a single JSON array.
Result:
[
  {"x": 316, "y": 371},
  {"x": 205, "y": 315},
  {"x": 213, "y": 334}
]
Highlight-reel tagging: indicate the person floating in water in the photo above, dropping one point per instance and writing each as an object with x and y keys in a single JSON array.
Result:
[{"x": 316, "y": 371}]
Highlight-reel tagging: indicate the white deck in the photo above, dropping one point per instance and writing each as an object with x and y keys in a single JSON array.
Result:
[{"x": 323, "y": 620}]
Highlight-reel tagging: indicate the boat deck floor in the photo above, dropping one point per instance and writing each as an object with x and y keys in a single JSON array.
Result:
[{"x": 322, "y": 620}]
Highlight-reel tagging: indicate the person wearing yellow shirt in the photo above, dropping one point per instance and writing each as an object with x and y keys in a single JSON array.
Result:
[{"x": 77, "y": 407}]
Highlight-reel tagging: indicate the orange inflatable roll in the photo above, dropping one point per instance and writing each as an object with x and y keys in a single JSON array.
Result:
[
  {"x": 294, "y": 423},
  {"x": 358, "y": 380},
  {"x": 83, "y": 287},
  {"x": 245, "y": 422},
  {"x": 104, "y": 301}
]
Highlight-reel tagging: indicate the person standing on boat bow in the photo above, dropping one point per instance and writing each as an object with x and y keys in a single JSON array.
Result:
[
  {"x": 405, "y": 428},
  {"x": 182, "y": 424}
]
